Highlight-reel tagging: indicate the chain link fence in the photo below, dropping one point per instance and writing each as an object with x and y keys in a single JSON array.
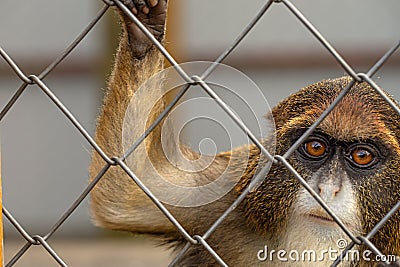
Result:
[{"x": 200, "y": 239}]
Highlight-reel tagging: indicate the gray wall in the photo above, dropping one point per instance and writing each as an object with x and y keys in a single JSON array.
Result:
[{"x": 45, "y": 160}]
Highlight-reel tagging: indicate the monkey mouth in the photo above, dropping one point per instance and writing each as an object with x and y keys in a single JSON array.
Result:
[{"x": 324, "y": 219}]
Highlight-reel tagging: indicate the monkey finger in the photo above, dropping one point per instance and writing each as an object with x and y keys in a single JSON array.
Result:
[
  {"x": 139, "y": 3},
  {"x": 130, "y": 5},
  {"x": 142, "y": 6},
  {"x": 153, "y": 3},
  {"x": 157, "y": 7},
  {"x": 150, "y": 4}
]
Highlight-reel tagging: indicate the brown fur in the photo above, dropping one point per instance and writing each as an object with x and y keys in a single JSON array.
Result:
[{"x": 117, "y": 203}]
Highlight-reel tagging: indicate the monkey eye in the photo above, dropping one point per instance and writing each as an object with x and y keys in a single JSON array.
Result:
[
  {"x": 315, "y": 148},
  {"x": 362, "y": 156}
]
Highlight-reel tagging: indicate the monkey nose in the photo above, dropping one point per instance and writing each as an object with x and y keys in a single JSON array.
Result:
[{"x": 328, "y": 191}]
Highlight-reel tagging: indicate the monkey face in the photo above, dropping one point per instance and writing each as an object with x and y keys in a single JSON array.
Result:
[
  {"x": 350, "y": 161},
  {"x": 336, "y": 169}
]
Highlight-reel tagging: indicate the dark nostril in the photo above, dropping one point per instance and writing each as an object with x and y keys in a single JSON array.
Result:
[
  {"x": 336, "y": 190},
  {"x": 320, "y": 188}
]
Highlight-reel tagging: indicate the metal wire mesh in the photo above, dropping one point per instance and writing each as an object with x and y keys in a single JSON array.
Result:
[{"x": 200, "y": 239}]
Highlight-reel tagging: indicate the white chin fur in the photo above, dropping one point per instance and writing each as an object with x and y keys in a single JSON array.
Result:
[{"x": 305, "y": 232}]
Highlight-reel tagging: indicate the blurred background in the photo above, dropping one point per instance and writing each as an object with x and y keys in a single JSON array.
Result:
[{"x": 45, "y": 159}]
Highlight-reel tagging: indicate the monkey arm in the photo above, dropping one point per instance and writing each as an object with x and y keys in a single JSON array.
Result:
[{"x": 116, "y": 201}]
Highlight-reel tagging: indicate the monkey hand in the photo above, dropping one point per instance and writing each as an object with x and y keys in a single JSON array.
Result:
[{"x": 152, "y": 13}]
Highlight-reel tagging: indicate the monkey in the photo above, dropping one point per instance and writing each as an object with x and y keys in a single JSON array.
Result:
[{"x": 351, "y": 161}]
